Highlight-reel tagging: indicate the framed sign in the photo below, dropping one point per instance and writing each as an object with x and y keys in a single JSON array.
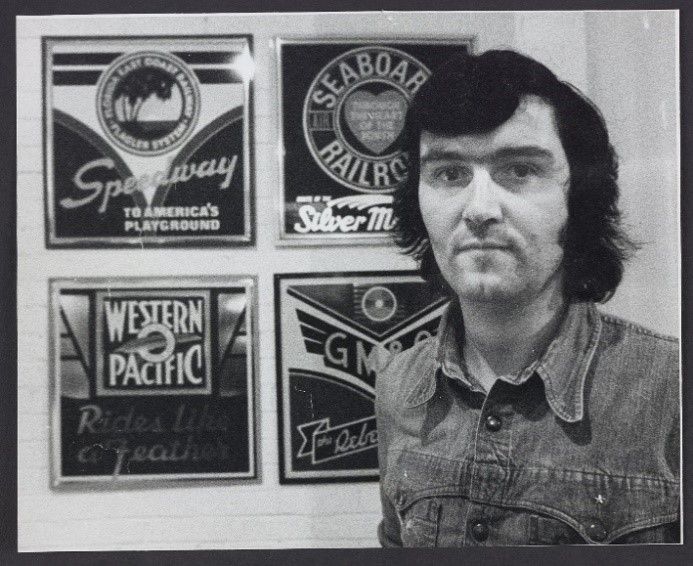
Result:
[
  {"x": 147, "y": 141},
  {"x": 333, "y": 330},
  {"x": 153, "y": 379},
  {"x": 342, "y": 113}
]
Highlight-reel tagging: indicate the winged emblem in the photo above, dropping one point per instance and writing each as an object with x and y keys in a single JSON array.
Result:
[{"x": 339, "y": 348}]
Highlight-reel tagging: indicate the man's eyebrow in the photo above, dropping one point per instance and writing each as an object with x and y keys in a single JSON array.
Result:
[
  {"x": 444, "y": 154},
  {"x": 523, "y": 151},
  {"x": 436, "y": 154}
]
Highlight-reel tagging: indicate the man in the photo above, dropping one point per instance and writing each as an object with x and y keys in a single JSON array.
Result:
[{"x": 531, "y": 418}]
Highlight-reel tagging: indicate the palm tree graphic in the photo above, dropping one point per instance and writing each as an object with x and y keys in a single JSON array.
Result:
[{"x": 136, "y": 88}]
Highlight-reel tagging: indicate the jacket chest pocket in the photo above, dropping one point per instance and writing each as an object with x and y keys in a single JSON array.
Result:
[
  {"x": 425, "y": 492},
  {"x": 550, "y": 531},
  {"x": 419, "y": 522},
  {"x": 566, "y": 507}
]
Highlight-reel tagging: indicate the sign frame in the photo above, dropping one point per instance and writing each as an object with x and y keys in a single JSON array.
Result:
[
  {"x": 149, "y": 286},
  {"x": 288, "y": 475},
  {"x": 247, "y": 238},
  {"x": 383, "y": 238}
]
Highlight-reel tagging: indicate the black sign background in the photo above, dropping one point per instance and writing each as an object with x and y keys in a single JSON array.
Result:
[
  {"x": 199, "y": 211},
  {"x": 331, "y": 330},
  {"x": 300, "y": 64},
  {"x": 155, "y": 433}
]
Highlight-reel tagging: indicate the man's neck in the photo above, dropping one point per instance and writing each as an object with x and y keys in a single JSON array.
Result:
[{"x": 509, "y": 336}]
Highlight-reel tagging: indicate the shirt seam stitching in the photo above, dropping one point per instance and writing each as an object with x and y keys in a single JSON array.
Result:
[
  {"x": 513, "y": 467},
  {"x": 637, "y": 328}
]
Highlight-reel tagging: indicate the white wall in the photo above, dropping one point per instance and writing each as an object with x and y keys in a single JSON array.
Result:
[
  {"x": 638, "y": 95},
  {"x": 625, "y": 61}
]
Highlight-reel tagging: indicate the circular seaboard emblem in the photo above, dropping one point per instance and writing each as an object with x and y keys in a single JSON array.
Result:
[
  {"x": 379, "y": 303},
  {"x": 148, "y": 102},
  {"x": 354, "y": 112}
]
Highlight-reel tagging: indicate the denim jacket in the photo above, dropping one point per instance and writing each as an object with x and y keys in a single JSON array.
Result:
[{"x": 583, "y": 447}]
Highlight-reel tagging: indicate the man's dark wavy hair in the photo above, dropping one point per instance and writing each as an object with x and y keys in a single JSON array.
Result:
[{"x": 472, "y": 94}]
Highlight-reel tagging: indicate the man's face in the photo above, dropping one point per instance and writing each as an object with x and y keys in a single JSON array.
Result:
[{"x": 495, "y": 204}]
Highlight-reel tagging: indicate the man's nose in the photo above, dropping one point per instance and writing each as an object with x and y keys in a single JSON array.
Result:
[{"x": 483, "y": 206}]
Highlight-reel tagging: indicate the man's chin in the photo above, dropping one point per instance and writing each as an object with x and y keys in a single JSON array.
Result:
[{"x": 484, "y": 288}]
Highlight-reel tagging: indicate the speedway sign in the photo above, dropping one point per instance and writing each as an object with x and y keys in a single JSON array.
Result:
[{"x": 147, "y": 141}]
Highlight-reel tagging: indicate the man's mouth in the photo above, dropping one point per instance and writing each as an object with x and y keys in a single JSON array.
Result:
[{"x": 483, "y": 245}]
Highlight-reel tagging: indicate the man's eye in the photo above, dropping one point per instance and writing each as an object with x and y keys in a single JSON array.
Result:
[
  {"x": 516, "y": 172},
  {"x": 450, "y": 173},
  {"x": 521, "y": 170}
]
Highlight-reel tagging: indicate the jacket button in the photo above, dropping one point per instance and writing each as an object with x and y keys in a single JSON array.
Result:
[
  {"x": 480, "y": 531},
  {"x": 493, "y": 423},
  {"x": 596, "y": 531}
]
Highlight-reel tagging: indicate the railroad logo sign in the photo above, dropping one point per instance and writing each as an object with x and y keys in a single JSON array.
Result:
[
  {"x": 148, "y": 102},
  {"x": 336, "y": 331},
  {"x": 153, "y": 343},
  {"x": 354, "y": 114},
  {"x": 153, "y": 379},
  {"x": 147, "y": 141},
  {"x": 343, "y": 112}
]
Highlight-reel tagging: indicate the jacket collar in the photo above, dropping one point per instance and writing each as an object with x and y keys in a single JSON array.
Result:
[{"x": 563, "y": 367}]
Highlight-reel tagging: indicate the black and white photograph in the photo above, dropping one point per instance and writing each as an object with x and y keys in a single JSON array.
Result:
[{"x": 339, "y": 282}]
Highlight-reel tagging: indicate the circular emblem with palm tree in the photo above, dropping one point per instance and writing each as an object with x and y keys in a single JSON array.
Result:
[{"x": 148, "y": 102}]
